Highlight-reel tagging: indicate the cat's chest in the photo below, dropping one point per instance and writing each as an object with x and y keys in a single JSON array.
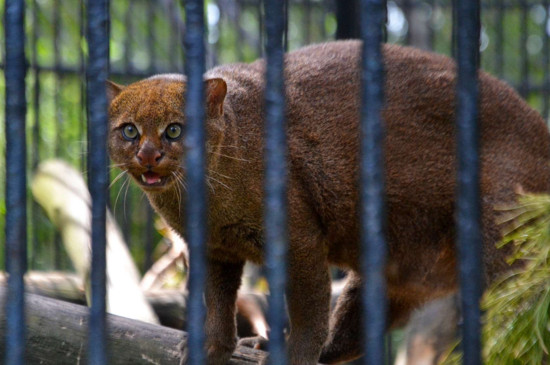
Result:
[
  {"x": 171, "y": 208},
  {"x": 240, "y": 240},
  {"x": 237, "y": 242}
]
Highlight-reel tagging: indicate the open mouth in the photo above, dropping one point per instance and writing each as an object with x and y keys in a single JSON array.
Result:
[{"x": 153, "y": 179}]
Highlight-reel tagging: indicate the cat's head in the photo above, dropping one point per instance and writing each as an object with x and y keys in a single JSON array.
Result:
[{"x": 147, "y": 125}]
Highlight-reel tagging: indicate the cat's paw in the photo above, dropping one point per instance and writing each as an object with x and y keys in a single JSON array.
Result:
[
  {"x": 257, "y": 342},
  {"x": 219, "y": 353},
  {"x": 215, "y": 356}
]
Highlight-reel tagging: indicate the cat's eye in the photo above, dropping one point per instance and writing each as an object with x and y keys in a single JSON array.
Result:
[
  {"x": 173, "y": 131},
  {"x": 130, "y": 132}
]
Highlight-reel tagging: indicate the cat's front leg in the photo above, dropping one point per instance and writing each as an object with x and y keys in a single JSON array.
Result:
[
  {"x": 222, "y": 282},
  {"x": 308, "y": 298}
]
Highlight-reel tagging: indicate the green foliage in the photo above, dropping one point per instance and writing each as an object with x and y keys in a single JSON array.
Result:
[{"x": 517, "y": 329}]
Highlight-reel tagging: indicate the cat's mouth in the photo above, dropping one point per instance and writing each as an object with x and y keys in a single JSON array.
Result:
[{"x": 153, "y": 179}]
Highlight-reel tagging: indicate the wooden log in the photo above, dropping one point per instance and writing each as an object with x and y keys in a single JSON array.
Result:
[
  {"x": 60, "y": 285},
  {"x": 57, "y": 335},
  {"x": 168, "y": 304}
]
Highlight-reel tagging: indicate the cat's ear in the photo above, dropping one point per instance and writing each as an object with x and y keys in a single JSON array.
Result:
[
  {"x": 216, "y": 89},
  {"x": 112, "y": 90}
]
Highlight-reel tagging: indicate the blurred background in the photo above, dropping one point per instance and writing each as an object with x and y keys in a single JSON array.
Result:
[{"x": 146, "y": 39}]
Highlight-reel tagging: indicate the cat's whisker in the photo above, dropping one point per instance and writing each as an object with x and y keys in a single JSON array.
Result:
[
  {"x": 126, "y": 194},
  {"x": 182, "y": 182},
  {"x": 178, "y": 192},
  {"x": 230, "y": 157},
  {"x": 116, "y": 168},
  {"x": 210, "y": 185},
  {"x": 141, "y": 197},
  {"x": 220, "y": 174},
  {"x": 219, "y": 182},
  {"x": 180, "y": 173},
  {"x": 127, "y": 181},
  {"x": 81, "y": 142},
  {"x": 112, "y": 165},
  {"x": 224, "y": 146},
  {"x": 118, "y": 177},
  {"x": 182, "y": 189}
]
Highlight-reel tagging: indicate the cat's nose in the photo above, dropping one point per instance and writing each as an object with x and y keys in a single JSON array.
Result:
[{"x": 149, "y": 157}]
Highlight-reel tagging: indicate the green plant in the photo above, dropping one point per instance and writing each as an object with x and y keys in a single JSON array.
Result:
[{"x": 517, "y": 328}]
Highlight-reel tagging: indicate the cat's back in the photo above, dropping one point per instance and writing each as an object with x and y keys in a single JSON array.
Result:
[
  {"x": 323, "y": 99},
  {"x": 324, "y": 96}
]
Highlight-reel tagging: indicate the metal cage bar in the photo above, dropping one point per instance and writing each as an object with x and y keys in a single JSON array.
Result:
[
  {"x": 348, "y": 25},
  {"x": 97, "y": 32},
  {"x": 60, "y": 124},
  {"x": 524, "y": 59},
  {"x": 499, "y": 42},
  {"x": 468, "y": 208},
  {"x": 80, "y": 70},
  {"x": 546, "y": 63},
  {"x": 195, "y": 168},
  {"x": 35, "y": 151},
  {"x": 16, "y": 180},
  {"x": 275, "y": 214},
  {"x": 372, "y": 190}
]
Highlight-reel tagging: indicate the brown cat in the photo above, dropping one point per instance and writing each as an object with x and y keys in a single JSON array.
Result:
[{"x": 323, "y": 88}]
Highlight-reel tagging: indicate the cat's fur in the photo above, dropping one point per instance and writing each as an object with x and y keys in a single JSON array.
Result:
[{"x": 323, "y": 88}]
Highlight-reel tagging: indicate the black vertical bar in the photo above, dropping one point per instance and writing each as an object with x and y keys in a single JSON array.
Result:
[
  {"x": 385, "y": 23},
  {"x": 406, "y": 7},
  {"x": 16, "y": 180},
  {"x": 57, "y": 248},
  {"x": 275, "y": 214},
  {"x": 174, "y": 42},
  {"x": 151, "y": 42},
  {"x": 454, "y": 32},
  {"x": 546, "y": 63},
  {"x": 260, "y": 6},
  {"x": 286, "y": 10},
  {"x": 98, "y": 177},
  {"x": 240, "y": 31},
  {"x": 325, "y": 5},
  {"x": 196, "y": 202},
  {"x": 82, "y": 75},
  {"x": 57, "y": 93},
  {"x": 127, "y": 221},
  {"x": 389, "y": 349},
  {"x": 306, "y": 7},
  {"x": 347, "y": 19},
  {"x": 372, "y": 181},
  {"x": 151, "y": 39},
  {"x": 499, "y": 46},
  {"x": 36, "y": 125},
  {"x": 468, "y": 204},
  {"x": 148, "y": 238},
  {"x": 524, "y": 82},
  {"x": 128, "y": 40},
  {"x": 431, "y": 33}
]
